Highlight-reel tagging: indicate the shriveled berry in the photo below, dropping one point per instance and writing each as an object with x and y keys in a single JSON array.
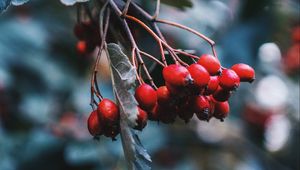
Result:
[
  {"x": 244, "y": 71},
  {"x": 221, "y": 110},
  {"x": 142, "y": 118},
  {"x": 229, "y": 80},
  {"x": 212, "y": 85},
  {"x": 94, "y": 125},
  {"x": 177, "y": 75},
  {"x": 108, "y": 111},
  {"x": 210, "y": 63},
  {"x": 221, "y": 94},
  {"x": 112, "y": 131},
  {"x": 146, "y": 96},
  {"x": 199, "y": 74},
  {"x": 185, "y": 110},
  {"x": 163, "y": 95}
]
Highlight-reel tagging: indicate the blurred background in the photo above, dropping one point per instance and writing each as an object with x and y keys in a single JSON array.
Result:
[{"x": 44, "y": 90}]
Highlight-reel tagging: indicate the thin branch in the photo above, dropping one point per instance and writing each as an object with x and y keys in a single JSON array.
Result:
[
  {"x": 125, "y": 9},
  {"x": 152, "y": 58},
  {"x": 156, "y": 10},
  {"x": 211, "y": 42}
]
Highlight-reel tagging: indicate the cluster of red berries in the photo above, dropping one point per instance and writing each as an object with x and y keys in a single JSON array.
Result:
[
  {"x": 105, "y": 120},
  {"x": 88, "y": 37},
  {"x": 202, "y": 88}
]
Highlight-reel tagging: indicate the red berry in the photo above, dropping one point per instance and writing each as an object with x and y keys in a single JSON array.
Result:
[
  {"x": 221, "y": 110},
  {"x": 244, "y": 71},
  {"x": 81, "y": 47},
  {"x": 108, "y": 111},
  {"x": 177, "y": 75},
  {"x": 146, "y": 96},
  {"x": 163, "y": 95},
  {"x": 85, "y": 47},
  {"x": 94, "y": 125},
  {"x": 142, "y": 118},
  {"x": 153, "y": 113},
  {"x": 202, "y": 108},
  {"x": 229, "y": 79},
  {"x": 199, "y": 74},
  {"x": 212, "y": 85},
  {"x": 210, "y": 63},
  {"x": 221, "y": 94}
]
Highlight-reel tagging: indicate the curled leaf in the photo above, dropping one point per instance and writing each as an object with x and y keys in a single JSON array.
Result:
[{"x": 123, "y": 77}]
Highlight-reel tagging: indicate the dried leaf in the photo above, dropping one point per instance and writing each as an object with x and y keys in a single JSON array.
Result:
[{"x": 123, "y": 77}]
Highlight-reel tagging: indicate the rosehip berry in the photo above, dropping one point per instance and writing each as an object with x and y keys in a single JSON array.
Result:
[
  {"x": 142, "y": 118},
  {"x": 221, "y": 110},
  {"x": 146, "y": 96},
  {"x": 199, "y": 74},
  {"x": 244, "y": 71},
  {"x": 210, "y": 63},
  {"x": 163, "y": 95},
  {"x": 202, "y": 108},
  {"x": 108, "y": 111},
  {"x": 94, "y": 125},
  {"x": 177, "y": 75},
  {"x": 212, "y": 85},
  {"x": 221, "y": 94},
  {"x": 229, "y": 80}
]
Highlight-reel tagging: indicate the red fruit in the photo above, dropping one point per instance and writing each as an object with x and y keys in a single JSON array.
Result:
[
  {"x": 296, "y": 34},
  {"x": 153, "y": 114},
  {"x": 221, "y": 110},
  {"x": 202, "y": 108},
  {"x": 163, "y": 95},
  {"x": 199, "y": 74},
  {"x": 85, "y": 47},
  {"x": 210, "y": 63},
  {"x": 244, "y": 71},
  {"x": 81, "y": 47},
  {"x": 142, "y": 118},
  {"x": 146, "y": 96},
  {"x": 212, "y": 85},
  {"x": 177, "y": 75},
  {"x": 221, "y": 94},
  {"x": 229, "y": 79},
  {"x": 94, "y": 125},
  {"x": 108, "y": 111}
]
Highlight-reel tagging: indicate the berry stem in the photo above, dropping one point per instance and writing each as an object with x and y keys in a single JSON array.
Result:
[
  {"x": 125, "y": 9},
  {"x": 208, "y": 40}
]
